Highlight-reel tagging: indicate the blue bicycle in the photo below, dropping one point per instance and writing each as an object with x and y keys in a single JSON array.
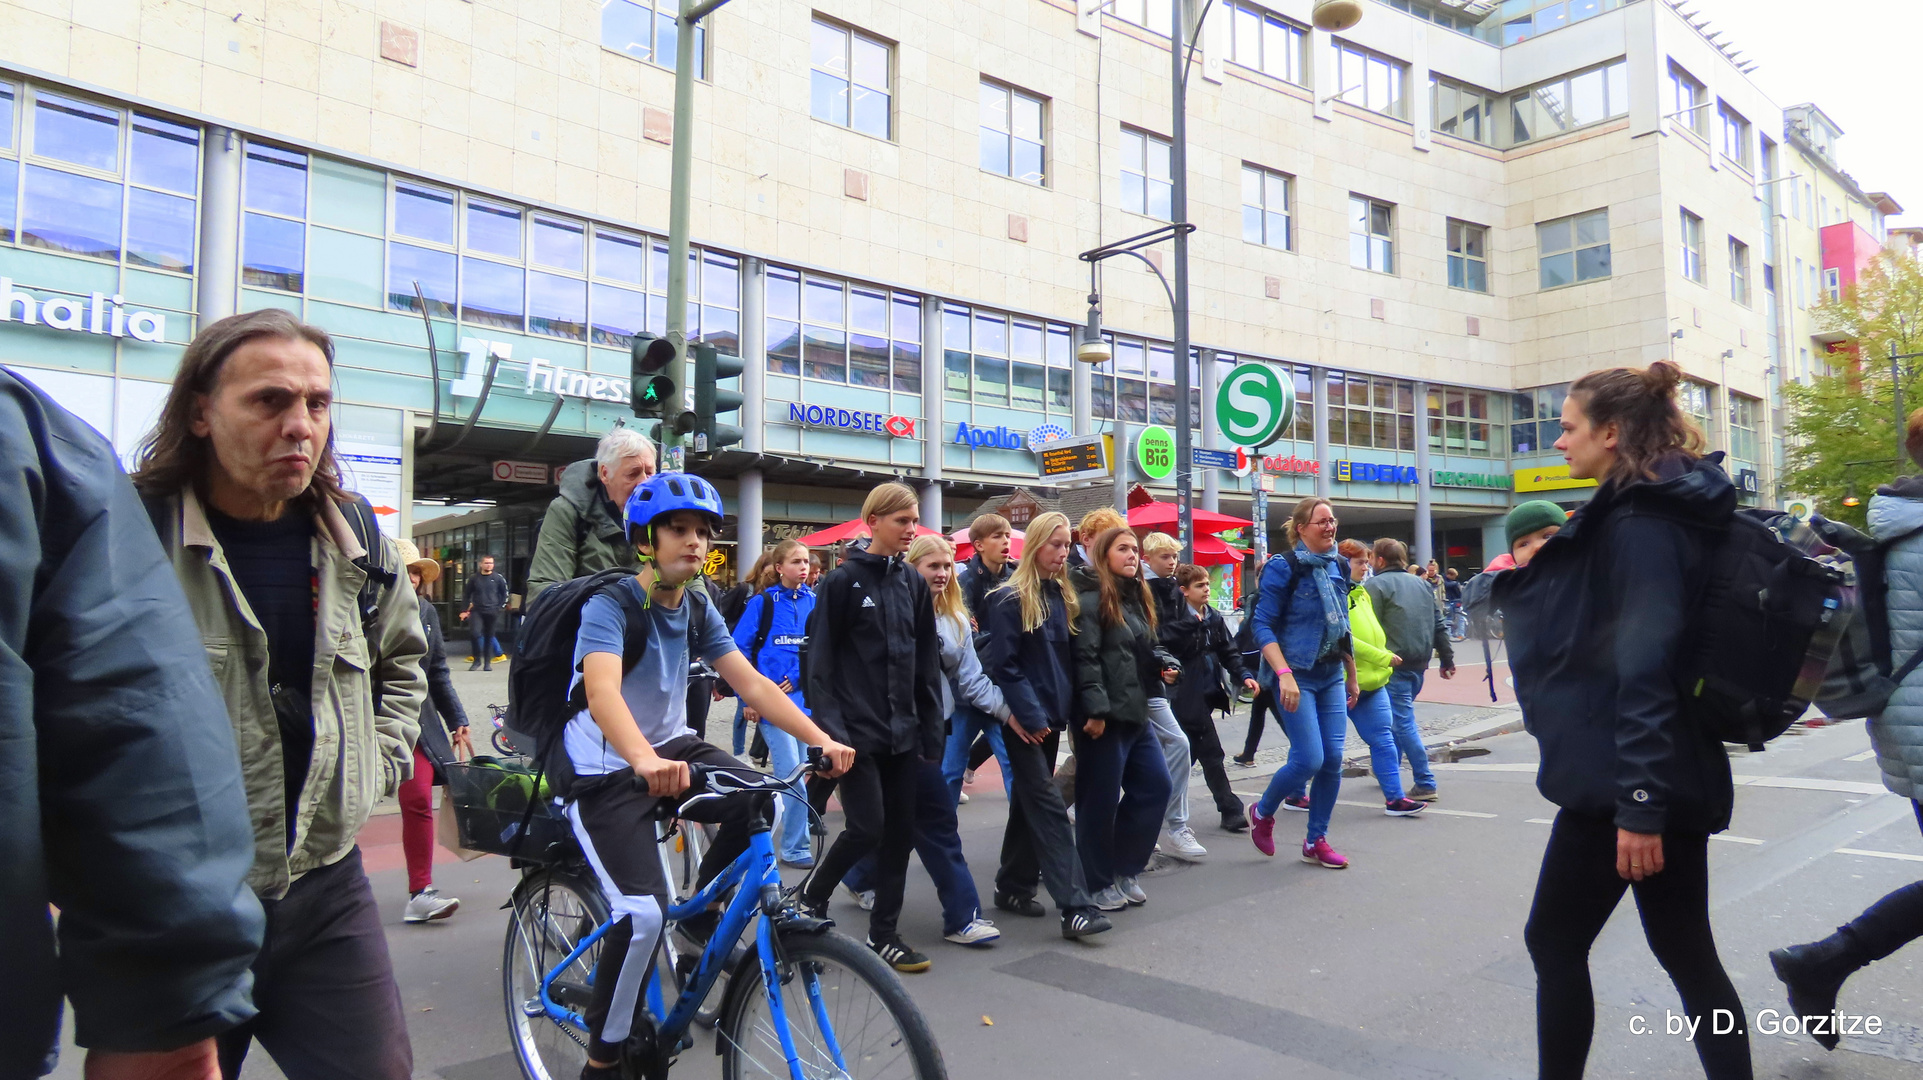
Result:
[{"x": 797, "y": 1000}]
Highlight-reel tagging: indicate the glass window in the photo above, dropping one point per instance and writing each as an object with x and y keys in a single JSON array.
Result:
[
  {"x": 1463, "y": 111},
  {"x": 851, "y": 79},
  {"x": 559, "y": 243},
  {"x": 273, "y": 252},
  {"x": 1012, "y": 143},
  {"x": 165, "y": 154},
  {"x": 1573, "y": 249},
  {"x": 433, "y": 271},
  {"x": 494, "y": 228},
  {"x": 1688, "y": 101},
  {"x": 63, "y": 212},
  {"x": 1735, "y": 133},
  {"x": 647, "y": 30},
  {"x": 7, "y": 97},
  {"x": 9, "y": 184},
  {"x": 1692, "y": 247},
  {"x": 1562, "y": 104},
  {"x": 1148, "y": 14},
  {"x": 1370, "y": 80},
  {"x": 557, "y": 306},
  {"x": 1147, "y": 187},
  {"x": 1265, "y": 207},
  {"x": 276, "y": 180},
  {"x": 619, "y": 314},
  {"x": 80, "y": 132},
  {"x": 491, "y": 294},
  {"x": 424, "y": 213},
  {"x": 160, "y": 230},
  {"x": 1265, "y": 41},
  {"x": 1468, "y": 256},
  {"x": 1371, "y": 235},
  {"x": 1739, "y": 271},
  {"x": 619, "y": 256},
  {"x": 907, "y": 343}
]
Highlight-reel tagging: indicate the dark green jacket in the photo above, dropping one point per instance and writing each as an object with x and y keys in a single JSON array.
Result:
[
  {"x": 581, "y": 533},
  {"x": 1113, "y": 664}
]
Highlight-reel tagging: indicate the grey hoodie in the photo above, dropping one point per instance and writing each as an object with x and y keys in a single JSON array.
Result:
[{"x": 963, "y": 669}]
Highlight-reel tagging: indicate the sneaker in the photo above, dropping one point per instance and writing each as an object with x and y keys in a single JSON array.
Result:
[
  {"x": 1083, "y": 922},
  {"x": 897, "y": 954},
  {"x": 863, "y": 898},
  {"x": 474, "y": 665},
  {"x": 1020, "y": 905},
  {"x": 1131, "y": 890},
  {"x": 1109, "y": 899},
  {"x": 979, "y": 931},
  {"x": 429, "y": 905},
  {"x": 1297, "y": 803},
  {"x": 1404, "y": 808},
  {"x": 1423, "y": 794},
  {"x": 963, "y": 801},
  {"x": 501, "y": 659},
  {"x": 1263, "y": 832},
  {"x": 1321, "y": 854},
  {"x": 1183, "y": 845},
  {"x": 1235, "y": 822},
  {"x": 968, "y": 776},
  {"x": 1246, "y": 761}
]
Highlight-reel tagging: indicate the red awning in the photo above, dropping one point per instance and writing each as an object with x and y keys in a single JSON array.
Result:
[{"x": 850, "y": 530}]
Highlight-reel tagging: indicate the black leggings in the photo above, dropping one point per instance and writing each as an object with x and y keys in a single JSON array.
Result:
[
  {"x": 1892, "y": 922},
  {"x": 878, "y": 814},
  {"x": 1264, "y": 702},
  {"x": 1575, "y": 895}
]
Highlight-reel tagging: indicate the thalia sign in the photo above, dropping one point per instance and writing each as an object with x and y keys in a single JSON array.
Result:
[{"x": 101, "y": 314}]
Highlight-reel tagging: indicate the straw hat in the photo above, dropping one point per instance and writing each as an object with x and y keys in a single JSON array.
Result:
[{"x": 412, "y": 558}]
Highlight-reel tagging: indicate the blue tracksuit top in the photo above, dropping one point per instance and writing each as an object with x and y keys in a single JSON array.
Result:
[{"x": 781, "y": 654}]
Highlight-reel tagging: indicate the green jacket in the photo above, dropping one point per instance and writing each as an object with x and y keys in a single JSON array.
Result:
[
  {"x": 1372, "y": 667},
  {"x": 362, "y": 751},
  {"x": 1111, "y": 661},
  {"x": 581, "y": 533}
]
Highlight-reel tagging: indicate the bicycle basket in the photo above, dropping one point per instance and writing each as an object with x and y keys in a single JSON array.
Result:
[{"x": 490, "y": 797}]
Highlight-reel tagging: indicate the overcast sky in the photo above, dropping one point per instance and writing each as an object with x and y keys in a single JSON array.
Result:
[{"x": 1850, "y": 58}]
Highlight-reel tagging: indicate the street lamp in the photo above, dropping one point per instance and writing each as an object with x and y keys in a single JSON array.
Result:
[
  {"x": 1337, "y": 15},
  {"x": 1093, "y": 348}
]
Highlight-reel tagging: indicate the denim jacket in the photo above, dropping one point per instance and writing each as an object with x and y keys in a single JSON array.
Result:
[{"x": 1289, "y": 610}]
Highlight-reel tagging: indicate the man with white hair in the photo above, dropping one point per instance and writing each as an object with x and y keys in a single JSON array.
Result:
[{"x": 582, "y": 532}]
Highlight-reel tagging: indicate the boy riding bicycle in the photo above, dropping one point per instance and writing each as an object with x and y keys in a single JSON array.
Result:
[{"x": 637, "y": 724}]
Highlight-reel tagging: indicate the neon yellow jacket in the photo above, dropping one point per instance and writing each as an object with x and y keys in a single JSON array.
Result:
[{"x": 1372, "y": 655}]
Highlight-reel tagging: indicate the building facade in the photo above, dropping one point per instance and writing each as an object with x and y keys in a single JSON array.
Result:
[{"x": 1432, "y": 223}]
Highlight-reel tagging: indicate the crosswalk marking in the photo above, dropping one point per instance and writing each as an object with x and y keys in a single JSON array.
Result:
[
  {"x": 1864, "y": 756},
  {"x": 1902, "y": 855},
  {"x": 1798, "y": 783}
]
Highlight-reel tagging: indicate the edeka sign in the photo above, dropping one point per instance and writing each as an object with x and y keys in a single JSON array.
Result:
[
  {"x": 1441, "y": 478},
  {"x": 900, "y": 427},
  {"x": 99, "y": 314},
  {"x": 1365, "y": 473},
  {"x": 996, "y": 438}
]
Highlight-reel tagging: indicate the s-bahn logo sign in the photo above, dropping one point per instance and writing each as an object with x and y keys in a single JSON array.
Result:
[
  {"x": 95, "y": 314},
  {"x": 1254, "y": 404}
]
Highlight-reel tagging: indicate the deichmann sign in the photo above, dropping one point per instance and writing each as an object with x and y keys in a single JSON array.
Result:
[
  {"x": 1548, "y": 478},
  {"x": 1155, "y": 452},
  {"x": 1253, "y": 404},
  {"x": 1498, "y": 481},
  {"x": 99, "y": 314},
  {"x": 996, "y": 438},
  {"x": 1347, "y": 472},
  {"x": 900, "y": 427}
]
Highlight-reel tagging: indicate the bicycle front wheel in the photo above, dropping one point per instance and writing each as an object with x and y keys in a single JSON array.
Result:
[
  {"x": 551, "y": 914},
  {"x": 847, "y": 1011}
]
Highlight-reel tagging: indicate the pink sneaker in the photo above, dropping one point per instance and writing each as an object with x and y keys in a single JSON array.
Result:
[
  {"x": 1262, "y": 831},
  {"x": 1321, "y": 854},
  {"x": 1297, "y": 803}
]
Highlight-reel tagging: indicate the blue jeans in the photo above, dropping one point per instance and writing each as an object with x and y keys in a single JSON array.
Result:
[
  {"x": 962, "y": 729},
  {"x": 1375, "y": 723},
  {"x": 938, "y": 842},
  {"x": 1121, "y": 796},
  {"x": 1316, "y": 730},
  {"x": 1403, "y": 688},
  {"x": 791, "y": 825},
  {"x": 741, "y": 729}
]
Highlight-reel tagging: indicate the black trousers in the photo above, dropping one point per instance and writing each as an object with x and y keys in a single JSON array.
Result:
[
  {"x": 878, "y": 808},
  {"x": 1892, "y": 922},
  {"x": 1264, "y": 702},
  {"x": 1038, "y": 846},
  {"x": 1575, "y": 895},
  {"x": 329, "y": 1007},
  {"x": 1205, "y": 743}
]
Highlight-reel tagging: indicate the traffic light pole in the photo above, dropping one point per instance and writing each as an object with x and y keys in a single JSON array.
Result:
[
  {"x": 680, "y": 182},
  {"x": 1179, "y": 213}
]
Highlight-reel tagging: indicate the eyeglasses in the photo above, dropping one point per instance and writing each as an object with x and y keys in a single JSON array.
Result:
[{"x": 1322, "y": 523}]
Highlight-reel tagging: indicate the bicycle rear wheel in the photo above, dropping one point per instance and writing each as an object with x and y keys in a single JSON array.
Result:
[
  {"x": 551, "y": 913},
  {"x": 842, "y": 997}
]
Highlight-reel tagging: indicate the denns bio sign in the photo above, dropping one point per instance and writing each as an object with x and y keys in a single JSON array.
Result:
[{"x": 996, "y": 438}]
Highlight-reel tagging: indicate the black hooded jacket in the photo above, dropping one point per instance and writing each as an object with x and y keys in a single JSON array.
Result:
[
  {"x": 1595, "y": 624},
  {"x": 873, "y": 670},
  {"x": 976, "y": 579}
]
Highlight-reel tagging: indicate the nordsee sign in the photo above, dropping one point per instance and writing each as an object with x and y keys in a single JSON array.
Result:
[
  {"x": 99, "y": 314},
  {"x": 997, "y": 438},
  {"x": 901, "y": 427}
]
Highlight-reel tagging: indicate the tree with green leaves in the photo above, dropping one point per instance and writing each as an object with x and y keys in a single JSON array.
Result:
[{"x": 1843, "y": 438}]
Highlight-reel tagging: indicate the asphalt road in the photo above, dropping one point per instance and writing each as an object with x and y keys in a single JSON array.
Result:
[{"x": 1409, "y": 964}]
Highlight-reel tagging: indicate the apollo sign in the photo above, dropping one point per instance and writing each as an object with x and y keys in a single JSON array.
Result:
[{"x": 99, "y": 314}]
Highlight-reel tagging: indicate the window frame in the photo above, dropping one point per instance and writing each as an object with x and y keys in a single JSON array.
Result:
[
  {"x": 1348, "y": 53},
  {"x": 1371, "y": 237},
  {"x": 1149, "y": 142},
  {"x": 1297, "y": 37},
  {"x": 1012, "y": 95},
  {"x": 1455, "y": 245},
  {"x": 655, "y": 14},
  {"x": 1739, "y": 273},
  {"x": 1614, "y": 78},
  {"x": 1574, "y": 250},
  {"x": 1263, "y": 175},
  {"x": 1734, "y": 131},
  {"x": 1695, "y": 259},
  {"x": 1489, "y": 128},
  {"x": 851, "y": 36},
  {"x": 1681, "y": 84}
]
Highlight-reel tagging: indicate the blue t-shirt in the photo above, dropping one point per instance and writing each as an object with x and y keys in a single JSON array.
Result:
[{"x": 656, "y": 690}]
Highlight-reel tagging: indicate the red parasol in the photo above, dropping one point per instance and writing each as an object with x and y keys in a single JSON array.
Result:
[
  {"x": 966, "y": 550},
  {"x": 1160, "y": 514},
  {"x": 1212, "y": 551},
  {"x": 849, "y": 530}
]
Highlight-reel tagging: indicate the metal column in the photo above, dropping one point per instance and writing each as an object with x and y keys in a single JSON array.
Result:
[
  {"x": 1425, "y": 515},
  {"x": 218, "y": 275},
  {"x": 931, "y": 410},
  {"x": 752, "y": 527},
  {"x": 1211, "y": 478},
  {"x": 1179, "y": 213},
  {"x": 1324, "y": 475}
]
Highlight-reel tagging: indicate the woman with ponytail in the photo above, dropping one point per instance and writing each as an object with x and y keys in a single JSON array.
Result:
[{"x": 1594, "y": 625}]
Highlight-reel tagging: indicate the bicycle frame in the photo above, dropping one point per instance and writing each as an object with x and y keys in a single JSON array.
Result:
[{"x": 759, "y": 895}]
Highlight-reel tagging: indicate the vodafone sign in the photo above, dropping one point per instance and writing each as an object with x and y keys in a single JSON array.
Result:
[{"x": 1246, "y": 463}]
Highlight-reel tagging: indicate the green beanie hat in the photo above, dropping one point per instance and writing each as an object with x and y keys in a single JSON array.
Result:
[{"x": 1533, "y": 516}]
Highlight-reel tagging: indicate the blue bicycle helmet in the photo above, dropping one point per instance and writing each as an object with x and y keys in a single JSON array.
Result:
[{"x": 667, "y": 492}]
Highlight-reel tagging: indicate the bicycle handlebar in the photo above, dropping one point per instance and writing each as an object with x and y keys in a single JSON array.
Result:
[{"x": 714, "y": 782}]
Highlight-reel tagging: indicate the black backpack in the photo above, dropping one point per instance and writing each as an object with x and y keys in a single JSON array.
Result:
[
  {"x": 1764, "y": 629},
  {"x": 539, "y": 701},
  {"x": 1862, "y": 672}
]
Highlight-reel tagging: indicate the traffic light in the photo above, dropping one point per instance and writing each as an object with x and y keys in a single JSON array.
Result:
[
  {"x": 651, "y": 388},
  {"x": 710, "y": 400}
]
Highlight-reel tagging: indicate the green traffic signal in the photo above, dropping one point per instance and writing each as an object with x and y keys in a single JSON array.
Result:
[
  {"x": 651, "y": 391},
  {"x": 710, "y": 401}
]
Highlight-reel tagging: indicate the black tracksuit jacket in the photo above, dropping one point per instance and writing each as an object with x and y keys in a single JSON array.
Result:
[{"x": 872, "y": 673}]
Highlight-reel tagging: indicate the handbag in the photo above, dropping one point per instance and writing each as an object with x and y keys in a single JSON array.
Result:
[{"x": 447, "y": 829}]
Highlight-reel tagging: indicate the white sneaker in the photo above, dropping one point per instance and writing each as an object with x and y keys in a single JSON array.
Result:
[
  {"x": 1184, "y": 845},
  {"x": 968, "y": 776},
  {"x": 979, "y": 931},
  {"x": 1109, "y": 899},
  {"x": 429, "y": 905},
  {"x": 863, "y": 898},
  {"x": 1131, "y": 890},
  {"x": 964, "y": 799}
]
